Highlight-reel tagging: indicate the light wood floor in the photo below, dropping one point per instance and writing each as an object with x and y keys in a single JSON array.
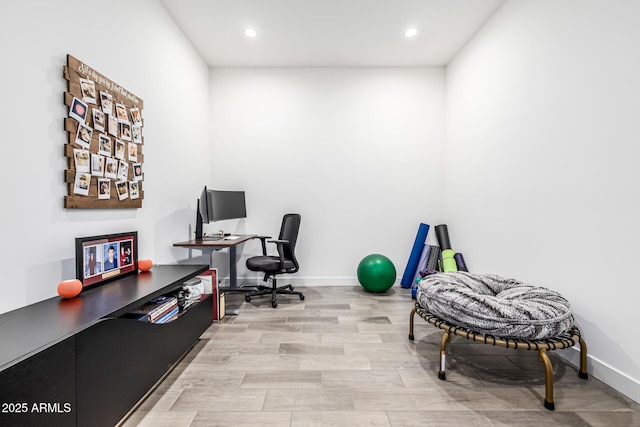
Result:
[{"x": 341, "y": 357}]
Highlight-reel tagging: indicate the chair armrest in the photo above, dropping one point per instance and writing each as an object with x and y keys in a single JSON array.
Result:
[
  {"x": 280, "y": 244},
  {"x": 276, "y": 241},
  {"x": 263, "y": 240}
]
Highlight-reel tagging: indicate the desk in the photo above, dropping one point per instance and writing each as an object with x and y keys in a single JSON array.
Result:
[{"x": 209, "y": 246}]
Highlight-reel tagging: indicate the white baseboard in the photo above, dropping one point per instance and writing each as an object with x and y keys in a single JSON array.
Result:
[
  {"x": 303, "y": 281},
  {"x": 605, "y": 373}
]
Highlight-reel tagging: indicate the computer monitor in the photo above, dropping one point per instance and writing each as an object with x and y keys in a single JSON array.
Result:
[
  {"x": 226, "y": 205},
  {"x": 202, "y": 212},
  {"x": 219, "y": 205}
]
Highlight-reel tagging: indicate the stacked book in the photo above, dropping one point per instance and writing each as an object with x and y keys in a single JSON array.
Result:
[{"x": 159, "y": 310}]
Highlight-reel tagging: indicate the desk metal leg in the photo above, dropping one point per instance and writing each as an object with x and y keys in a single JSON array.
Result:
[
  {"x": 233, "y": 280},
  {"x": 233, "y": 269}
]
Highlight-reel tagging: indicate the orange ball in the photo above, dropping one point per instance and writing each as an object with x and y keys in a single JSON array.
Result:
[
  {"x": 144, "y": 264},
  {"x": 69, "y": 288}
]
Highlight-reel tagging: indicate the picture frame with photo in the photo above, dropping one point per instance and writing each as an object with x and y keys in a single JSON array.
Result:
[
  {"x": 123, "y": 170},
  {"x": 104, "y": 145},
  {"x": 83, "y": 135},
  {"x": 122, "y": 190},
  {"x": 101, "y": 259},
  {"x": 81, "y": 160},
  {"x": 104, "y": 188},
  {"x": 106, "y": 102},
  {"x": 88, "y": 89},
  {"x": 125, "y": 131},
  {"x": 78, "y": 110},
  {"x": 103, "y": 122},
  {"x": 136, "y": 134},
  {"x": 81, "y": 183},
  {"x": 120, "y": 150},
  {"x": 134, "y": 190},
  {"x": 113, "y": 125},
  {"x": 133, "y": 152},
  {"x": 136, "y": 118},
  {"x": 121, "y": 113},
  {"x": 98, "y": 119},
  {"x": 97, "y": 165},
  {"x": 111, "y": 168},
  {"x": 137, "y": 171}
]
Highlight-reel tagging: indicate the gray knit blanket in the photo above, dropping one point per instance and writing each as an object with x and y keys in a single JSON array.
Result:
[{"x": 492, "y": 305}]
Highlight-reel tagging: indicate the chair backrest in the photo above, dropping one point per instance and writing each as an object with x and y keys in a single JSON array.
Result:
[{"x": 289, "y": 231}]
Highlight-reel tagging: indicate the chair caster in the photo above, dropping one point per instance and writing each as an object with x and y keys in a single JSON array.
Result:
[
  {"x": 301, "y": 297},
  {"x": 247, "y": 298},
  {"x": 274, "y": 304}
]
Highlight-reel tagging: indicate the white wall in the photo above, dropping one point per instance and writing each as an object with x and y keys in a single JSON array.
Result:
[
  {"x": 358, "y": 152},
  {"x": 137, "y": 45},
  {"x": 542, "y": 152}
]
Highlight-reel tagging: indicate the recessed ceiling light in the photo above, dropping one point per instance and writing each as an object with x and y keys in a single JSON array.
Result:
[
  {"x": 250, "y": 32},
  {"x": 410, "y": 33}
]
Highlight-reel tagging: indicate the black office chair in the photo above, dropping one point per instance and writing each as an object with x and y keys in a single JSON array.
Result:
[{"x": 284, "y": 263}]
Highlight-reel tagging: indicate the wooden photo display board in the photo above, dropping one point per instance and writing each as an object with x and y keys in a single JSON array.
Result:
[{"x": 104, "y": 147}]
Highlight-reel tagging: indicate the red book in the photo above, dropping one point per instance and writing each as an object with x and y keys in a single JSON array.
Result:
[{"x": 210, "y": 280}]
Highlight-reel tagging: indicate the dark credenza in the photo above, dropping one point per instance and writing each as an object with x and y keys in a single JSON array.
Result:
[{"x": 79, "y": 362}]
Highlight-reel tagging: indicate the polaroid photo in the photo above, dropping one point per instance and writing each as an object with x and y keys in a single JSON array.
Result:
[
  {"x": 81, "y": 184},
  {"x": 97, "y": 165},
  {"x": 119, "y": 150},
  {"x": 83, "y": 135},
  {"x": 113, "y": 126},
  {"x": 98, "y": 119},
  {"x": 88, "y": 88},
  {"x": 123, "y": 171},
  {"x": 137, "y": 171},
  {"x": 133, "y": 190},
  {"x": 111, "y": 168},
  {"x": 78, "y": 110},
  {"x": 106, "y": 102},
  {"x": 125, "y": 131},
  {"x": 121, "y": 113},
  {"x": 121, "y": 188},
  {"x": 104, "y": 188},
  {"x": 136, "y": 133},
  {"x": 136, "y": 118},
  {"x": 133, "y": 152},
  {"x": 81, "y": 159},
  {"x": 104, "y": 145}
]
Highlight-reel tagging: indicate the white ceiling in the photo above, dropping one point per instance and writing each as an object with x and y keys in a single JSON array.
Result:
[{"x": 329, "y": 32}]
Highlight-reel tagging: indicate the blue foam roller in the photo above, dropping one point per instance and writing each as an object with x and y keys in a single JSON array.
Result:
[{"x": 414, "y": 256}]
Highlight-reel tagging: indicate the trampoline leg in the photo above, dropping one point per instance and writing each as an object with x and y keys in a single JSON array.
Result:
[
  {"x": 582, "y": 373},
  {"x": 548, "y": 379},
  {"x": 413, "y": 311},
  {"x": 442, "y": 374}
]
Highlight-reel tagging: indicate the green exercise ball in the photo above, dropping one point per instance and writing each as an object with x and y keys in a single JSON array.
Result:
[{"x": 376, "y": 273}]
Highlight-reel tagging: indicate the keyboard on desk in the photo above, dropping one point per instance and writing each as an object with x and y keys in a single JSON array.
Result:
[{"x": 211, "y": 238}]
